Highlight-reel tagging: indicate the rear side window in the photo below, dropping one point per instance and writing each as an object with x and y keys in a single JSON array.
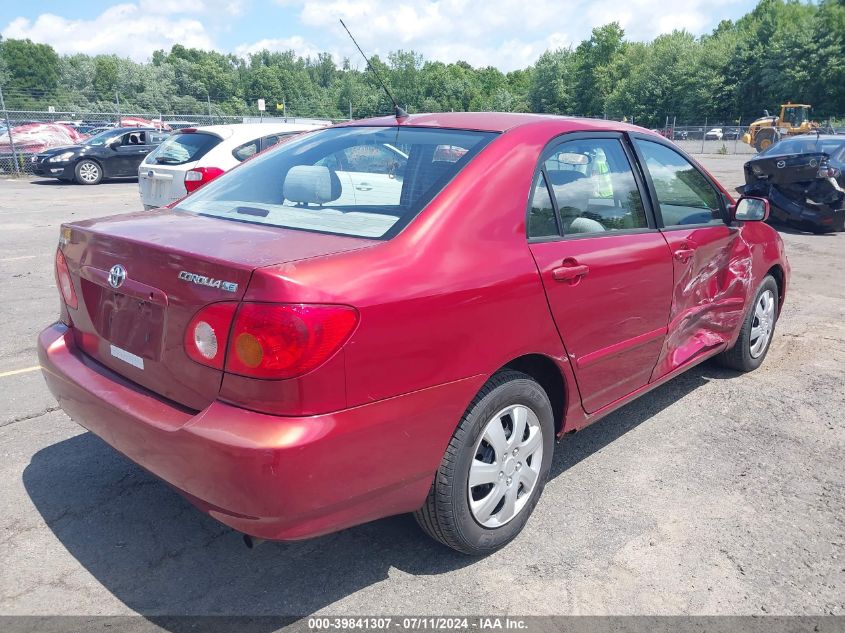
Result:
[
  {"x": 541, "y": 216},
  {"x": 593, "y": 186},
  {"x": 183, "y": 148},
  {"x": 250, "y": 148},
  {"x": 684, "y": 195},
  {"x": 359, "y": 181}
]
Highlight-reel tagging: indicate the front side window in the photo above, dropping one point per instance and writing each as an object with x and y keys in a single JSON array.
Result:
[
  {"x": 594, "y": 187},
  {"x": 102, "y": 138},
  {"x": 684, "y": 195},
  {"x": 358, "y": 181}
]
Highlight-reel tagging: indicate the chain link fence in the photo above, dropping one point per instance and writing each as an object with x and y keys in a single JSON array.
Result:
[
  {"x": 28, "y": 139},
  {"x": 30, "y": 135}
]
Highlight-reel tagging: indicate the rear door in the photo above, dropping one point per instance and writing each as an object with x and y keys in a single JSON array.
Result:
[
  {"x": 605, "y": 267},
  {"x": 711, "y": 263}
]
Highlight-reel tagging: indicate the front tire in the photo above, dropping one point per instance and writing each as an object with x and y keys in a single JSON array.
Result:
[
  {"x": 765, "y": 139},
  {"x": 88, "y": 172},
  {"x": 758, "y": 328},
  {"x": 494, "y": 469}
]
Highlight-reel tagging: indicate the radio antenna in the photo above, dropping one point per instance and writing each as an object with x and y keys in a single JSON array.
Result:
[{"x": 399, "y": 112}]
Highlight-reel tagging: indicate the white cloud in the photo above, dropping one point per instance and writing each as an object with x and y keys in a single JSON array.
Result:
[
  {"x": 123, "y": 29},
  {"x": 296, "y": 43},
  {"x": 502, "y": 33},
  {"x": 196, "y": 7}
]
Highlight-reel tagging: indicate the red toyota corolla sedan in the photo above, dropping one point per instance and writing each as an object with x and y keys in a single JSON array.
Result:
[{"x": 401, "y": 315}]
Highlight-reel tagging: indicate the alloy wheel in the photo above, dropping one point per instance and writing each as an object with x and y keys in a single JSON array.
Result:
[{"x": 89, "y": 172}]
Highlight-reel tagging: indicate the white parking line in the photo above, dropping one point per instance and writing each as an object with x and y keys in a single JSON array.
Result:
[
  {"x": 14, "y": 259},
  {"x": 15, "y": 372}
]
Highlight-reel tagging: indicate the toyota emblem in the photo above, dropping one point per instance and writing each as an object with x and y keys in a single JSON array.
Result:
[{"x": 117, "y": 275}]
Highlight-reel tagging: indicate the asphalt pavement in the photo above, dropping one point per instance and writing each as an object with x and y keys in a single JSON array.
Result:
[{"x": 717, "y": 493}]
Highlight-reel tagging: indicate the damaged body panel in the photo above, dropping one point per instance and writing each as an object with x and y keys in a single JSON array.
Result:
[{"x": 803, "y": 180}]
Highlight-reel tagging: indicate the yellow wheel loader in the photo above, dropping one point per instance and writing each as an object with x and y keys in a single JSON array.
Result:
[{"x": 767, "y": 130}]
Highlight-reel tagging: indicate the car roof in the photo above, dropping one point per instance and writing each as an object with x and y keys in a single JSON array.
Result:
[
  {"x": 248, "y": 131},
  {"x": 812, "y": 136},
  {"x": 495, "y": 121},
  {"x": 144, "y": 128}
]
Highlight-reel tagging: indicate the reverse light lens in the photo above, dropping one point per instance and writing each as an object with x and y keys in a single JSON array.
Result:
[
  {"x": 206, "y": 334},
  {"x": 205, "y": 339},
  {"x": 64, "y": 281},
  {"x": 279, "y": 341},
  {"x": 196, "y": 178}
]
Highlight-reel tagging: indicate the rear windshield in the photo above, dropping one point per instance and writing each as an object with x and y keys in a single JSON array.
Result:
[
  {"x": 805, "y": 145},
  {"x": 359, "y": 181},
  {"x": 182, "y": 148}
]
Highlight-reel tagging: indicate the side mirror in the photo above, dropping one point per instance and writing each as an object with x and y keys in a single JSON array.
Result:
[
  {"x": 751, "y": 210},
  {"x": 113, "y": 142}
]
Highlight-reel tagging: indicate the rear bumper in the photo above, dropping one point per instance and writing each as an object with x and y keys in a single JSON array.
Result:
[{"x": 271, "y": 477}]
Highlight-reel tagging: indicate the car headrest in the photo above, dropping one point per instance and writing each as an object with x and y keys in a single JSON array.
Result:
[
  {"x": 585, "y": 225},
  {"x": 311, "y": 184}
]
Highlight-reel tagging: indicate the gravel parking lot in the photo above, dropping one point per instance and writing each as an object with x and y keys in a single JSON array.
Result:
[{"x": 715, "y": 494}]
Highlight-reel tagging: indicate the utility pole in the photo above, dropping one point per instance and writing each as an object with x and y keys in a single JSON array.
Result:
[
  {"x": 350, "y": 109},
  {"x": 9, "y": 132},
  {"x": 738, "y": 132},
  {"x": 208, "y": 98},
  {"x": 117, "y": 101}
]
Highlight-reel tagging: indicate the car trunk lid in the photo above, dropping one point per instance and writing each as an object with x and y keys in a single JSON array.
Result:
[
  {"x": 141, "y": 277},
  {"x": 788, "y": 168}
]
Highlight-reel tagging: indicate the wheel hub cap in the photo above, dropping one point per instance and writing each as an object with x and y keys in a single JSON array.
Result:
[
  {"x": 762, "y": 324},
  {"x": 506, "y": 466}
]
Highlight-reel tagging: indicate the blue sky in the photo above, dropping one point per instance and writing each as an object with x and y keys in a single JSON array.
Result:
[{"x": 507, "y": 34}]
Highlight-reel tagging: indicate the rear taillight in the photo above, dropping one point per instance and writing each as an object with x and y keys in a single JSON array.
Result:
[
  {"x": 196, "y": 178},
  {"x": 277, "y": 341},
  {"x": 64, "y": 281},
  {"x": 268, "y": 340},
  {"x": 208, "y": 333}
]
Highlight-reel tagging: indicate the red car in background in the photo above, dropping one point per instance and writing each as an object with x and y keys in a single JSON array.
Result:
[{"x": 298, "y": 350}]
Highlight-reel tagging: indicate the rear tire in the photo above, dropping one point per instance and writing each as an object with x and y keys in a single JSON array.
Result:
[
  {"x": 88, "y": 172},
  {"x": 749, "y": 351},
  {"x": 511, "y": 413}
]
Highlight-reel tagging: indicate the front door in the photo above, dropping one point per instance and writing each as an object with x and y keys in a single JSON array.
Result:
[
  {"x": 133, "y": 149},
  {"x": 605, "y": 267},
  {"x": 712, "y": 265}
]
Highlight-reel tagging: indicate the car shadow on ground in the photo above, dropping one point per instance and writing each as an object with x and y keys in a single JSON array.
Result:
[
  {"x": 55, "y": 182},
  {"x": 161, "y": 557},
  {"x": 793, "y": 230}
]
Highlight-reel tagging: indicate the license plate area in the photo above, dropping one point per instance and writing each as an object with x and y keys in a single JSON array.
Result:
[{"x": 132, "y": 324}]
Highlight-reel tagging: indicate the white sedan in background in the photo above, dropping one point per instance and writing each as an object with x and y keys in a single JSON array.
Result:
[{"x": 191, "y": 157}]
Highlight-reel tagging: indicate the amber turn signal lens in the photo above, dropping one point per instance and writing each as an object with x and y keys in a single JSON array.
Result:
[{"x": 249, "y": 351}]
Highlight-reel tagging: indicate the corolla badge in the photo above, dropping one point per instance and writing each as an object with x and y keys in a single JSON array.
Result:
[
  {"x": 202, "y": 280},
  {"x": 117, "y": 275},
  {"x": 781, "y": 164}
]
